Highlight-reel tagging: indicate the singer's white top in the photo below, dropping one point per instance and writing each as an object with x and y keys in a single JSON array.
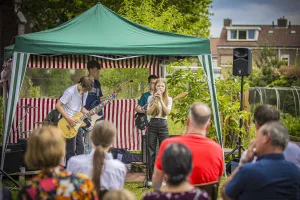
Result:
[{"x": 170, "y": 102}]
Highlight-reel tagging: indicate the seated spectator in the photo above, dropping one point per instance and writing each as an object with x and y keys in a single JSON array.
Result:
[
  {"x": 207, "y": 155},
  {"x": 271, "y": 176},
  {"x": 119, "y": 195},
  {"x": 266, "y": 113},
  {"x": 177, "y": 165},
  {"x": 45, "y": 150},
  {"x": 106, "y": 172}
]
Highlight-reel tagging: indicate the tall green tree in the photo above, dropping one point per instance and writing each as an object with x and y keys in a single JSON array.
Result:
[{"x": 179, "y": 16}]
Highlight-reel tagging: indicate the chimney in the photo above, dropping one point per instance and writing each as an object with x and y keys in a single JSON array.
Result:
[
  {"x": 282, "y": 22},
  {"x": 290, "y": 25},
  {"x": 273, "y": 24},
  {"x": 227, "y": 22}
]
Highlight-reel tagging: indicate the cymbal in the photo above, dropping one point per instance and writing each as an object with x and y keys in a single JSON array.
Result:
[{"x": 46, "y": 123}]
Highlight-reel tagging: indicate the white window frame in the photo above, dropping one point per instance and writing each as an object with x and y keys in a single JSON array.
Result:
[
  {"x": 247, "y": 29},
  {"x": 285, "y": 56}
]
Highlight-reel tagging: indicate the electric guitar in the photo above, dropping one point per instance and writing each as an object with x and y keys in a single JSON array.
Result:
[
  {"x": 141, "y": 120},
  {"x": 71, "y": 131}
]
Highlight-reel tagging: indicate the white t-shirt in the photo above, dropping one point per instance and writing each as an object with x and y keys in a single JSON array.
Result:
[
  {"x": 72, "y": 100},
  {"x": 170, "y": 101}
]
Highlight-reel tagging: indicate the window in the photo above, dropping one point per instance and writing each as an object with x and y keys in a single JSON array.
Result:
[
  {"x": 242, "y": 35},
  {"x": 233, "y": 34},
  {"x": 251, "y": 34},
  {"x": 286, "y": 59}
]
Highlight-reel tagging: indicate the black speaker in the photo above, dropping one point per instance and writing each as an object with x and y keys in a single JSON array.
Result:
[
  {"x": 242, "y": 62},
  {"x": 13, "y": 158}
]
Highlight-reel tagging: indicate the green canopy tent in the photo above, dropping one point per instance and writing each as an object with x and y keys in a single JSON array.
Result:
[{"x": 100, "y": 31}]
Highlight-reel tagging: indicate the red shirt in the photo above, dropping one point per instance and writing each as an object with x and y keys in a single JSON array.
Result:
[{"x": 207, "y": 157}]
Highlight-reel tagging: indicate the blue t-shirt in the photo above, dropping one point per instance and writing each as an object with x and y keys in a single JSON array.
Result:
[
  {"x": 271, "y": 177},
  {"x": 144, "y": 99},
  {"x": 93, "y": 98}
]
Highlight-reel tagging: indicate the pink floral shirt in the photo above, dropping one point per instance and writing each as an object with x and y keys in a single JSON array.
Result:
[{"x": 57, "y": 184}]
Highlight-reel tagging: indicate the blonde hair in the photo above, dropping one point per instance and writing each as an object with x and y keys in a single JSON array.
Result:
[
  {"x": 164, "y": 97},
  {"x": 103, "y": 135},
  {"x": 119, "y": 195},
  {"x": 46, "y": 148}
]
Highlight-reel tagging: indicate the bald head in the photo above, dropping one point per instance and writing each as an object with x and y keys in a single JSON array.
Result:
[{"x": 200, "y": 115}]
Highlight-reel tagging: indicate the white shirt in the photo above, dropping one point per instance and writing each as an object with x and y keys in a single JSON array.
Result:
[
  {"x": 113, "y": 175},
  {"x": 72, "y": 100},
  {"x": 170, "y": 101}
]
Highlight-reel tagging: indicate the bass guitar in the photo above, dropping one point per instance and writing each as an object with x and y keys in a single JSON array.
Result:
[{"x": 71, "y": 131}]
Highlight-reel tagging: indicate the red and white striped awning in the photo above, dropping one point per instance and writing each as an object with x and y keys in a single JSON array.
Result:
[{"x": 79, "y": 62}]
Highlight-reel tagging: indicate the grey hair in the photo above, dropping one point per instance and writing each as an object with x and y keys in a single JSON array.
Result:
[
  {"x": 200, "y": 114},
  {"x": 278, "y": 132}
]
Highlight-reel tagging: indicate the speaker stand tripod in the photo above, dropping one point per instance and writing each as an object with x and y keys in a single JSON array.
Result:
[{"x": 239, "y": 145}]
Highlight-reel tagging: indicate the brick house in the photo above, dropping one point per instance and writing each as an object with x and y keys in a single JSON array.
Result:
[{"x": 284, "y": 38}]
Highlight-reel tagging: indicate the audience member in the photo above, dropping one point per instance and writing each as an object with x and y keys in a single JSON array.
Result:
[
  {"x": 266, "y": 113},
  {"x": 271, "y": 176},
  {"x": 45, "y": 150},
  {"x": 177, "y": 165},
  {"x": 106, "y": 172},
  {"x": 207, "y": 155},
  {"x": 119, "y": 195}
]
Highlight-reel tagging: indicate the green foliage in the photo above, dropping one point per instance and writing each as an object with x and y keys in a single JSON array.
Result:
[
  {"x": 180, "y": 16},
  {"x": 228, "y": 98},
  {"x": 190, "y": 18},
  {"x": 59, "y": 82},
  {"x": 112, "y": 79},
  {"x": 292, "y": 123}
]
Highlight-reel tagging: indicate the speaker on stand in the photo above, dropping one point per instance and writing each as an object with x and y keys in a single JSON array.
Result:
[{"x": 241, "y": 66}]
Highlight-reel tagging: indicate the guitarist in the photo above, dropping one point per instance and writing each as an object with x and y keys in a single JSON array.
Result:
[
  {"x": 71, "y": 102},
  {"x": 144, "y": 98},
  {"x": 93, "y": 98}
]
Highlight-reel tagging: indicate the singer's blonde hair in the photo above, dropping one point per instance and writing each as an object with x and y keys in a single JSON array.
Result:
[{"x": 164, "y": 97}]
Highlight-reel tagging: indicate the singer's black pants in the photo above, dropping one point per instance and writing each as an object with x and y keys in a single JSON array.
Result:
[{"x": 157, "y": 130}]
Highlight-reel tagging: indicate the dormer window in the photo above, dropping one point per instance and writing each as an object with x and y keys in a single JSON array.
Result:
[{"x": 242, "y": 34}]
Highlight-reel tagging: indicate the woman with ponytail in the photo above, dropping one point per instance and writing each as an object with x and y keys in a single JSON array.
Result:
[
  {"x": 106, "y": 173},
  {"x": 159, "y": 108},
  {"x": 177, "y": 165}
]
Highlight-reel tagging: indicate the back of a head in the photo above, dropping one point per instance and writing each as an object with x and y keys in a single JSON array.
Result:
[
  {"x": 278, "y": 132},
  {"x": 93, "y": 64},
  {"x": 177, "y": 163},
  {"x": 266, "y": 113},
  {"x": 200, "y": 115},
  {"x": 86, "y": 82},
  {"x": 46, "y": 148},
  {"x": 103, "y": 135},
  {"x": 119, "y": 195}
]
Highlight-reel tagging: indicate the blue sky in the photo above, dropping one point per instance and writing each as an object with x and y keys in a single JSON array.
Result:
[{"x": 253, "y": 12}]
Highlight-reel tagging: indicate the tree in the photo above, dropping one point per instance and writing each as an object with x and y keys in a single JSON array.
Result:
[
  {"x": 179, "y": 16},
  {"x": 228, "y": 92}
]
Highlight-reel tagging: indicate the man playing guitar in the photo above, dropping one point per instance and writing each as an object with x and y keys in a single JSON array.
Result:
[
  {"x": 72, "y": 101},
  {"x": 93, "y": 99}
]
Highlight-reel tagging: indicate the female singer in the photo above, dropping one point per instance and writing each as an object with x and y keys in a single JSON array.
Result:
[{"x": 159, "y": 108}]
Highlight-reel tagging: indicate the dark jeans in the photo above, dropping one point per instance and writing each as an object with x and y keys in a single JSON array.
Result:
[
  {"x": 75, "y": 145},
  {"x": 157, "y": 129}
]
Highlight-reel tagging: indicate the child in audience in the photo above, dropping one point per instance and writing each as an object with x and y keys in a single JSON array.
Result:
[{"x": 106, "y": 172}]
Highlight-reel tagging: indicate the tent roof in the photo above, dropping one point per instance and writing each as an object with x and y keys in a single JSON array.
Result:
[{"x": 101, "y": 31}]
